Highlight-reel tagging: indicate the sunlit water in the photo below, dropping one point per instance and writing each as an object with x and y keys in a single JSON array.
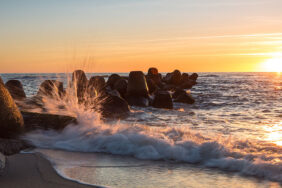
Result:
[{"x": 231, "y": 137}]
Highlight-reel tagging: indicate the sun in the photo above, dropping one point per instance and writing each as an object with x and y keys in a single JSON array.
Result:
[{"x": 272, "y": 65}]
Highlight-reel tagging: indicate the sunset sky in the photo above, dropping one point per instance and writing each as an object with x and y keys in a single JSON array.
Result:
[{"x": 124, "y": 35}]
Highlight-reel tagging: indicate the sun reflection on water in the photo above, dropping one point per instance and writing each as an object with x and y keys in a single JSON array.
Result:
[{"x": 273, "y": 133}]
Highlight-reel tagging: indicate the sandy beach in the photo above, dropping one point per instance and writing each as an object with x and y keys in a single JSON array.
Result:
[{"x": 32, "y": 170}]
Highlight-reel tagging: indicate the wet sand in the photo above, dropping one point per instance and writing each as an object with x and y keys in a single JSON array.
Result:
[{"x": 32, "y": 170}]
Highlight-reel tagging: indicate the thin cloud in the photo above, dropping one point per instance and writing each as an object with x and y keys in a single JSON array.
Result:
[
  {"x": 272, "y": 54},
  {"x": 177, "y": 39}
]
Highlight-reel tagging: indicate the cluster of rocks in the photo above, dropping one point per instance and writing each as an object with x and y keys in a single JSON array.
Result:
[
  {"x": 115, "y": 95},
  {"x": 153, "y": 89},
  {"x": 112, "y": 98},
  {"x": 138, "y": 89}
]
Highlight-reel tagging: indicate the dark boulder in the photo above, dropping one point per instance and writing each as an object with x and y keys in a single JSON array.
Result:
[
  {"x": 113, "y": 106},
  {"x": 33, "y": 120},
  {"x": 163, "y": 100},
  {"x": 194, "y": 77},
  {"x": 80, "y": 83},
  {"x": 137, "y": 85},
  {"x": 187, "y": 82},
  {"x": 16, "y": 90},
  {"x": 121, "y": 87},
  {"x": 160, "y": 76},
  {"x": 152, "y": 86},
  {"x": 173, "y": 78},
  {"x": 176, "y": 77},
  {"x": 97, "y": 82},
  {"x": 168, "y": 87},
  {"x": 113, "y": 79},
  {"x": 167, "y": 78},
  {"x": 11, "y": 120},
  {"x": 184, "y": 78},
  {"x": 137, "y": 90},
  {"x": 12, "y": 146},
  {"x": 153, "y": 71},
  {"x": 154, "y": 75},
  {"x": 96, "y": 85},
  {"x": 184, "y": 98},
  {"x": 178, "y": 92},
  {"x": 51, "y": 88}
]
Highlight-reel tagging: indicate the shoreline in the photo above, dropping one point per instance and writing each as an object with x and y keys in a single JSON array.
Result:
[{"x": 27, "y": 170}]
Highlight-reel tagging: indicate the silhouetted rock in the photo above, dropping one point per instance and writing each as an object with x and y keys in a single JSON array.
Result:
[
  {"x": 121, "y": 87},
  {"x": 173, "y": 78},
  {"x": 11, "y": 120},
  {"x": 161, "y": 76},
  {"x": 16, "y": 90},
  {"x": 163, "y": 100},
  {"x": 34, "y": 120},
  {"x": 12, "y": 146},
  {"x": 154, "y": 79},
  {"x": 80, "y": 83},
  {"x": 184, "y": 98},
  {"x": 168, "y": 87},
  {"x": 137, "y": 89},
  {"x": 153, "y": 71},
  {"x": 194, "y": 76},
  {"x": 152, "y": 86},
  {"x": 184, "y": 78},
  {"x": 176, "y": 77},
  {"x": 95, "y": 85},
  {"x": 113, "y": 79},
  {"x": 178, "y": 92},
  {"x": 167, "y": 78},
  {"x": 113, "y": 106},
  {"x": 154, "y": 75},
  {"x": 137, "y": 85},
  {"x": 97, "y": 82},
  {"x": 51, "y": 88}
]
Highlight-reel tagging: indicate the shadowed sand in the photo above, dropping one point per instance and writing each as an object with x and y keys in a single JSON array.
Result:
[{"x": 32, "y": 170}]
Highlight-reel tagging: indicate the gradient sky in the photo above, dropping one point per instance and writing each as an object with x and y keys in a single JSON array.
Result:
[{"x": 124, "y": 35}]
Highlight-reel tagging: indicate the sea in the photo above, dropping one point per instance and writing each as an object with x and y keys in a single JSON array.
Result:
[{"x": 231, "y": 137}]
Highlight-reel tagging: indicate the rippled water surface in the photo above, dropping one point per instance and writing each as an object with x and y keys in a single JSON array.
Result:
[{"x": 231, "y": 137}]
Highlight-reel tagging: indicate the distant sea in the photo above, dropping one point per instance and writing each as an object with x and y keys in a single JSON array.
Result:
[{"x": 231, "y": 137}]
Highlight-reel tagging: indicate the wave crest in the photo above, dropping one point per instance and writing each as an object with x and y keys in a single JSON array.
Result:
[{"x": 165, "y": 143}]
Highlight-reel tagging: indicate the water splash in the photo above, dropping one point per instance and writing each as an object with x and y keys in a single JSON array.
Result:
[{"x": 163, "y": 143}]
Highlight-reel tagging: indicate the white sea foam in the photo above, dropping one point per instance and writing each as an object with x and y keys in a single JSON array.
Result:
[{"x": 159, "y": 143}]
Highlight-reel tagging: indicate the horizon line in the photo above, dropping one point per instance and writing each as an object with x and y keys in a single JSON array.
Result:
[{"x": 136, "y": 70}]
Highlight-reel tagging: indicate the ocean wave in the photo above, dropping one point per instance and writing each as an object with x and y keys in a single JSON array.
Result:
[{"x": 158, "y": 143}]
